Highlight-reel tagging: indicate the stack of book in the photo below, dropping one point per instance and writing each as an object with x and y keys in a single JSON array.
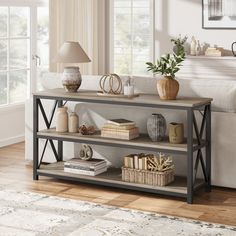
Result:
[
  {"x": 92, "y": 167},
  {"x": 136, "y": 161},
  {"x": 213, "y": 52},
  {"x": 120, "y": 129}
]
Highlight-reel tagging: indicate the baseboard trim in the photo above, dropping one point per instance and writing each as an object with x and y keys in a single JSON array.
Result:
[{"x": 12, "y": 140}]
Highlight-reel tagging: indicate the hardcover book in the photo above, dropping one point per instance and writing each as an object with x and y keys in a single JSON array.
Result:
[
  {"x": 120, "y": 127},
  {"x": 90, "y": 163},
  {"x": 85, "y": 172},
  {"x": 119, "y": 136},
  {"x": 121, "y": 122}
]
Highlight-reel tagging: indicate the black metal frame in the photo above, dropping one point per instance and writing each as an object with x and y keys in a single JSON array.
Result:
[
  {"x": 213, "y": 28},
  {"x": 192, "y": 127}
]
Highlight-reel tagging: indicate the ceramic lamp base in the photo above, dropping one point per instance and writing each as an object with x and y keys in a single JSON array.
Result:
[{"x": 71, "y": 79}]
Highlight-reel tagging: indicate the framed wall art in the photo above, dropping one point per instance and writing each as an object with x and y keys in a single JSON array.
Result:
[{"x": 219, "y": 14}]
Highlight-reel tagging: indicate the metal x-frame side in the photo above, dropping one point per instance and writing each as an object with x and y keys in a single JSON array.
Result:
[
  {"x": 38, "y": 106},
  {"x": 203, "y": 135}
]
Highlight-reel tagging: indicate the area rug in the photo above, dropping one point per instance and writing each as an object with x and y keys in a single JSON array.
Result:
[{"x": 26, "y": 214}]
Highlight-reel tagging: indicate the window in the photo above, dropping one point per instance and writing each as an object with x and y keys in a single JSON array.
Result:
[
  {"x": 23, "y": 46},
  {"x": 131, "y": 36},
  {"x": 14, "y": 54}
]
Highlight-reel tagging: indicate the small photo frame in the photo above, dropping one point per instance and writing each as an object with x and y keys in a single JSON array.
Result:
[{"x": 219, "y": 14}]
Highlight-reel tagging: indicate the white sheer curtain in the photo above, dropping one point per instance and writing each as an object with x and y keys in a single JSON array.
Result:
[{"x": 83, "y": 21}]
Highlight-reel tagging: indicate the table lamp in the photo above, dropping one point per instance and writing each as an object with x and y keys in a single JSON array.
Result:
[{"x": 71, "y": 52}]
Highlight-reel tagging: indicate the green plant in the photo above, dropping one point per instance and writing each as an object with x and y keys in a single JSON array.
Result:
[
  {"x": 179, "y": 43},
  {"x": 168, "y": 65}
]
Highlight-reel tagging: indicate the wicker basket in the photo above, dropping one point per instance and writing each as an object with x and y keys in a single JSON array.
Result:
[{"x": 147, "y": 177}]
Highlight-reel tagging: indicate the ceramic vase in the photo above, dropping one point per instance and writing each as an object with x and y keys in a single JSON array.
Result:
[
  {"x": 167, "y": 88},
  {"x": 71, "y": 79},
  {"x": 176, "y": 133},
  {"x": 73, "y": 122},
  {"x": 156, "y": 127},
  {"x": 62, "y": 120}
]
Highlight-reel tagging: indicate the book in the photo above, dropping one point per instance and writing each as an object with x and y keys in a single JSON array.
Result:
[
  {"x": 119, "y": 127},
  {"x": 136, "y": 162},
  {"x": 89, "y": 168},
  {"x": 119, "y": 136},
  {"x": 126, "y": 161},
  {"x": 120, "y": 132},
  {"x": 140, "y": 163},
  {"x": 144, "y": 163},
  {"x": 129, "y": 161},
  {"x": 85, "y": 172},
  {"x": 90, "y": 163},
  {"x": 121, "y": 122}
]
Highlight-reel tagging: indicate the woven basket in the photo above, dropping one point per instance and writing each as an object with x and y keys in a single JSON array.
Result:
[{"x": 147, "y": 177}]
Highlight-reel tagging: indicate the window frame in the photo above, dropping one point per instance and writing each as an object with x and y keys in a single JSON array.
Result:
[
  {"x": 32, "y": 47},
  {"x": 111, "y": 35}
]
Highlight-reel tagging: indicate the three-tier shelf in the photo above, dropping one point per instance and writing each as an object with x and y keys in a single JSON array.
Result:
[{"x": 197, "y": 140}]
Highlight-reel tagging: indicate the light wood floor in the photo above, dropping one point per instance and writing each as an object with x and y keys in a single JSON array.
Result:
[{"x": 219, "y": 206}]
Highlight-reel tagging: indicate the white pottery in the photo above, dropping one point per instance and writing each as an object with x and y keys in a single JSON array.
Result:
[
  {"x": 73, "y": 122},
  {"x": 62, "y": 120},
  {"x": 193, "y": 46}
]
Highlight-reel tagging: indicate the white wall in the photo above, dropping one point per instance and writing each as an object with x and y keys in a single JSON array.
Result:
[
  {"x": 12, "y": 125},
  {"x": 174, "y": 17}
]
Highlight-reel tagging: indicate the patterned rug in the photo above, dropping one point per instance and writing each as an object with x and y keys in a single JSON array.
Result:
[{"x": 26, "y": 214}]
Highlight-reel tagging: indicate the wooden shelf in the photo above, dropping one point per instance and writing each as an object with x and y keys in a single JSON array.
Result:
[
  {"x": 113, "y": 178},
  {"x": 146, "y": 100},
  {"x": 143, "y": 142},
  {"x": 211, "y": 58}
]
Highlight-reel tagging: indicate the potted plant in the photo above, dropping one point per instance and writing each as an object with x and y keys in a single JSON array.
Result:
[
  {"x": 168, "y": 65},
  {"x": 179, "y": 44}
]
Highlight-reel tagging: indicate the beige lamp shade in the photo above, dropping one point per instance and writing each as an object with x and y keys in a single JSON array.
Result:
[{"x": 72, "y": 52}]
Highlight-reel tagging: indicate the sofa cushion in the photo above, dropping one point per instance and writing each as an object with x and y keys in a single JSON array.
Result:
[
  {"x": 223, "y": 92},
  {"x": 50, "y": 80}
]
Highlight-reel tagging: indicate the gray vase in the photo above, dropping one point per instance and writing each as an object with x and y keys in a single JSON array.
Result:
[{"x": 156, "y": 127}]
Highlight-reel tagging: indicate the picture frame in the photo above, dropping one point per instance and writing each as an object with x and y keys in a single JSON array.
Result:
[{"x": 218, "y": 14}]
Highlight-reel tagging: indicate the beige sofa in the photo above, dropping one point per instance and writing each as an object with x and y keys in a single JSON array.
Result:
[{"x": 223, "y": 122}]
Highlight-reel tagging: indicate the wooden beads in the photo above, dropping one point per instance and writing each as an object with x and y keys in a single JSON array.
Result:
[{"x": 111, "y": 84}]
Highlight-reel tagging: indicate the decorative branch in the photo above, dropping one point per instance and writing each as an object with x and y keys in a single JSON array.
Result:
[{"x": 159, "y": 163}]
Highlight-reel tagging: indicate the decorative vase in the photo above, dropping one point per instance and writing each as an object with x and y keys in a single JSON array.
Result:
[
  {"x": 71, "y": 79},
  {"x": 176, "y": 133},
  {"x": 156, "y": 127},
  {"x": 198, "y": 48},
  {"x": 233, "y": 49},
  {"x": 62, "y": 120},
  {"x": 178, "y": 48},
  {"x": 193, "y": 46},
  {"x": 167, "y": 88},
  {"x": 73, "y": 122}
]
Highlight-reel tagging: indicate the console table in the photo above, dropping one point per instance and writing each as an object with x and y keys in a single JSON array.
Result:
[{"x": 198, "y": 138}]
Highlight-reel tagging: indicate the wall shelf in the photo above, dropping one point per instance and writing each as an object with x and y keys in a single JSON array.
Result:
[{"x": 202, "y": 57}]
